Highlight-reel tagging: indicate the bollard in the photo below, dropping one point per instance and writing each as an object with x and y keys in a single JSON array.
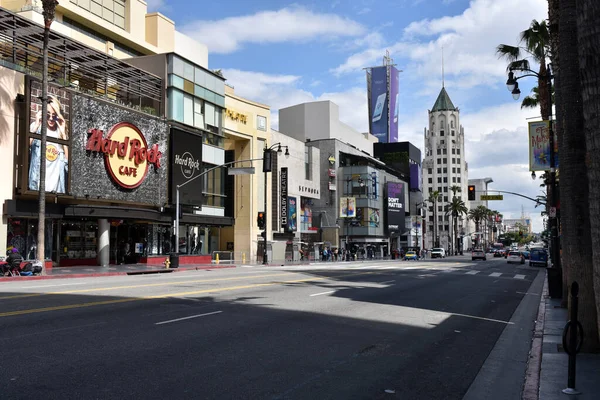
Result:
[
  {"x": 574, "y": 331},
  {"x": 243, "y": 258},
  {"x": 167, "y": 263},
  {"x": 217, "y": 259}
]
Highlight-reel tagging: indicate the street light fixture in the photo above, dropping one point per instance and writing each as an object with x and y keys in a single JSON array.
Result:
[
  {"x": 513, "y": 86},
  {"x": 267, "y": 167}
]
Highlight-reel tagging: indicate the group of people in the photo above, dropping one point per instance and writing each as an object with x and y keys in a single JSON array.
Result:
[{"x": 14, "y": 263}]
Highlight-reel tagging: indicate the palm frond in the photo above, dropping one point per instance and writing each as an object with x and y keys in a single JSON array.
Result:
[
  {"x": 530, "y": 102},
  {"x": 510, "y": 53}
]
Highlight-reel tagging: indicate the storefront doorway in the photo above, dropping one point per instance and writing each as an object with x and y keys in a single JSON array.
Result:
[{"x": 128, "y": 242}]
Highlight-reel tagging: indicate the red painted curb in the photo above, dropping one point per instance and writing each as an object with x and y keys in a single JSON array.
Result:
[
  {"x": 116, "y": 273},
  {"x": 531, "y": 388}
]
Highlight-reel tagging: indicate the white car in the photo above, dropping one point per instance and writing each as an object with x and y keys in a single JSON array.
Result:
[
  {"x": 515, "y": 257},
  {"x": 438, "y": 252}
]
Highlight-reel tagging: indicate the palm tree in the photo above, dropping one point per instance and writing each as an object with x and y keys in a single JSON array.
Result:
[
  {"x": 477, "y": 215},
  {"x": 579, "y": 82},
  {"x": 537, "y": 46},
  {"x": 533, "y": 101},
  {"x": 433, "y": 198},
  {"x": 49, "y": 7},
  {"x": 456, "y": 208}
]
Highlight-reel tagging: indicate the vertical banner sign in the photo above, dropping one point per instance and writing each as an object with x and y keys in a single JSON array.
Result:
[
  {"x": 291, "y": 225},
  {"x": 539, "y": 146},
  {"x": 394, "y": 103},
  {"x": 284, "y": 197},
  {"x": 416, "y": 177},
  {"x": 395, "y": 207},
  {"x": 378, "y": 119},
  {"x": 347, "y": 207}
]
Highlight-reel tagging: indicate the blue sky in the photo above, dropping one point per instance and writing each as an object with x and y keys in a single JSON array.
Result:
[{"x": 283, "y": 53}]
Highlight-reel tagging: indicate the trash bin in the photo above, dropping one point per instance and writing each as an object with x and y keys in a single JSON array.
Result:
[
  {"x": 555, "y": 283},
  {"x": 174, "y": 259}
]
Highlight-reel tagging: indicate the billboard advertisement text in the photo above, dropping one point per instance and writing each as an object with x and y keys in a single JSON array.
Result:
[
  {"x": 395, "y": 207},
  {"x": 394, "y": 103}
]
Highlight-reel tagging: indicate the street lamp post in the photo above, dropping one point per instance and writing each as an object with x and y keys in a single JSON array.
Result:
[
  {"x": 513, "y": 86},
  {"x": 178, "y": 206},
  {"x": 267, "y": 167}
]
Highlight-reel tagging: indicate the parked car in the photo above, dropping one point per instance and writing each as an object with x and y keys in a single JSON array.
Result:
[
  {"x": 478, "y": 254},
  {"x": 538, "y": 256},
  {"x": 515, "y": 257},
  {"x": 438, "y": 252},
  {"x": 411, "y": 255}
]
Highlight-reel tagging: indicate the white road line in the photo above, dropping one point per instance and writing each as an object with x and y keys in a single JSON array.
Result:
[
  {"x": 496, "y": 274},
  {"x": 318, "y": 294},
  {"x": 386, "y": 282},
  {"x": 45, "y": 286},
  {"x": 519, "y": 276},
  {"x": 473, "y": 272},
  {"x": 190, "y": 317}
]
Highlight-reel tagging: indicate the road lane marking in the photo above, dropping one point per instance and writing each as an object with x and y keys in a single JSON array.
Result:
[
  {"x": 519, "y": 276},
  {"x": 45, "y": 286},
  {"x": 20, "y": 296},
  {"x": 171, "y": 295},
  {"x": 319, "y": 294},
  {"x": 473, "y": 272},
  {"x": 386, "y": 282},
  {"x": 496, "y": 274},
  {"x": 190, "y": 317}
]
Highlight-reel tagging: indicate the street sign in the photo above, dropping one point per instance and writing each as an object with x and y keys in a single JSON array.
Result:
[
  {"x": 485, "y": 197},
  {"x": 241, "y": 171}
]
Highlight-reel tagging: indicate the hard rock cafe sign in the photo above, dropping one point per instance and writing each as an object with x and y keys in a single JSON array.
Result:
[{"x": 126, "y": 153}]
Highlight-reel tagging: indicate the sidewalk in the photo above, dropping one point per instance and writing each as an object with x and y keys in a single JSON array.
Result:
[
  {"x": 112, "y": 270},
  {"x": 552, "y": 375}
]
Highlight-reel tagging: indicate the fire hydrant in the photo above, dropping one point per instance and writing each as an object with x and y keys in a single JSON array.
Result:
[{"x": 167, "y": 263}]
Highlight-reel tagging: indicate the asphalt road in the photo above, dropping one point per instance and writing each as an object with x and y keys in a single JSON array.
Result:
[{"x": 379, "y": 330}]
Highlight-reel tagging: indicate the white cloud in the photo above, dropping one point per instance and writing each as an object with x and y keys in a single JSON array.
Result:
[
  {"x": 365, "y": 10},
  {"x": 154, "y": 5},
  {"x": 285, "y": 25}
]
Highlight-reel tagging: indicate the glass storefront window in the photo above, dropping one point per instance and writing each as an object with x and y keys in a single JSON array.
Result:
[{"x": 78, "y": 239}]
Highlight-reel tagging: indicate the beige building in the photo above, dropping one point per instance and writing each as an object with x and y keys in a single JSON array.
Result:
[
  {"x": 246, "y": 126},
  {"x": 120, "y": 28}
]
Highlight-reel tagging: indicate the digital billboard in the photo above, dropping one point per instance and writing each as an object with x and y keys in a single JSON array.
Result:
[
  {"x": 378, "y": 120},
  {"x": 292, "y": 214},
  {"x": 395, "y": 207},
  {"x": 394, "y": 104}
]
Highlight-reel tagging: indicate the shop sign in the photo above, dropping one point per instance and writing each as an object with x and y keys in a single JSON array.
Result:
[
  {"x": 236, "y": 116},
  {"x": 332, "y": 186},
  {"x": 331, "y": 173},
  {"x": 284, "y": 197},
  {"x": 126, "y": 153}
]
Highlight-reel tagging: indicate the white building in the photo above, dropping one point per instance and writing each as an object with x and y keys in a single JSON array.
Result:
[
  {"x": 444, "y": 167},
  {"x": 321, "y": 120}
]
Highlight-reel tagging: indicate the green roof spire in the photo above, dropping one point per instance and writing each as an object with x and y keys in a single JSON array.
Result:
[{"x": 443, "y": 102}]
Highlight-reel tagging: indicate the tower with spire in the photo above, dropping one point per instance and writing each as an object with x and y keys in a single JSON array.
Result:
[{"x": 444, "y": 167}]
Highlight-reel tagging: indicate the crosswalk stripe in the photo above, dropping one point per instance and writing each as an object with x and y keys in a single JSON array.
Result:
[
  {"x": 519, "y": 276},
  {"x": 473, "y": 272},
  {"x": 495, "y": 274}
]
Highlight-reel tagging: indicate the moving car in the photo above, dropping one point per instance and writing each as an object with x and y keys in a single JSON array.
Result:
[
  {"x": 410, "y": 255},
  {"x": 515, "y": 257},
  {"x": 438, "y": 252},
  {"x": 538, "y": 256},
  {"x": 478, "y": 254}
]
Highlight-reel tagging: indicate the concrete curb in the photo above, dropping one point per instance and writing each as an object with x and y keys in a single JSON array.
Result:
[
  {"x": 531, "y": 387},
  {"x": 116, "y": 273}
]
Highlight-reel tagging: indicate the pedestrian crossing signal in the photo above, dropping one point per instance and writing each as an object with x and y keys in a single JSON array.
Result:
[{"x": 471, "y": 192}]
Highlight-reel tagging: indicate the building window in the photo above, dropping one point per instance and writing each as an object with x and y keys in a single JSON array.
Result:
[
  {"x": 451, "y": 123},
  {"x": 445, "y": 170},
  {"x": 445, "y": 189},
  {"x": 453, "y": 180},
  {"x": 261, "y": 123},
  {"x": 439, "y": 151},
  {"x": 430, "y": 171},
  {"x": 307, "y": 164},
  {"x": 458, "y": 160},
  {"x": 452, "y": 132},
  {"x": 441, "y": 133},
  {"x": 445, "y": 179},
  {"x": 430, "y": 180},
  {"x": 439, "y": 170},
  {"x": 445, "y": 160},
  {"x": 112, "y": 11},
  {"x": 440, "y": 180},
  {"x": 214, "y": 186},
  {"x": 453, "y": 170},
  {"x": 445, "y": 198},
  {"x": 453, "y": 160},
  {"x": 453, "y": 151},
  {"x": 439, "y": 189},
  {"x": 458, "y": 151},
  {"x": 445, "y": 151},
  {"x": 458, "y": 180},
  {"x": 439, "y": 160},
  {"x": 458, "y": 170}
]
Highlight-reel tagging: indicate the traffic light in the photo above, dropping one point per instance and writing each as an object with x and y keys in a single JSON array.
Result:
[
  {"x": 267, "y": 160},
  {"x": 260, "y": 220},
  {"x": 471, "y": 192}
]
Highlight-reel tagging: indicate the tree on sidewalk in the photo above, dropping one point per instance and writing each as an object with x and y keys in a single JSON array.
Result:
[{"x": 49, "y": 8}]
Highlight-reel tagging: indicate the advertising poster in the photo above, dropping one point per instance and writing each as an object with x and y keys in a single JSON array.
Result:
[
  {"x": 394, "y": 103},
  {"x": 416, "y": 177},
  {"x": 305, "y": 213},
  {"x": 373, "y": 217},
  {"x": 347, "y": 207},
  {"x": 395, "y": 207},
  {"x": 186, "y": 166},
  {"x": 57, "y": 147},
  {"x": 292, "y": 225},
  {"x": 378, "y": 119},
  {"x": 539, "y": 146}
]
